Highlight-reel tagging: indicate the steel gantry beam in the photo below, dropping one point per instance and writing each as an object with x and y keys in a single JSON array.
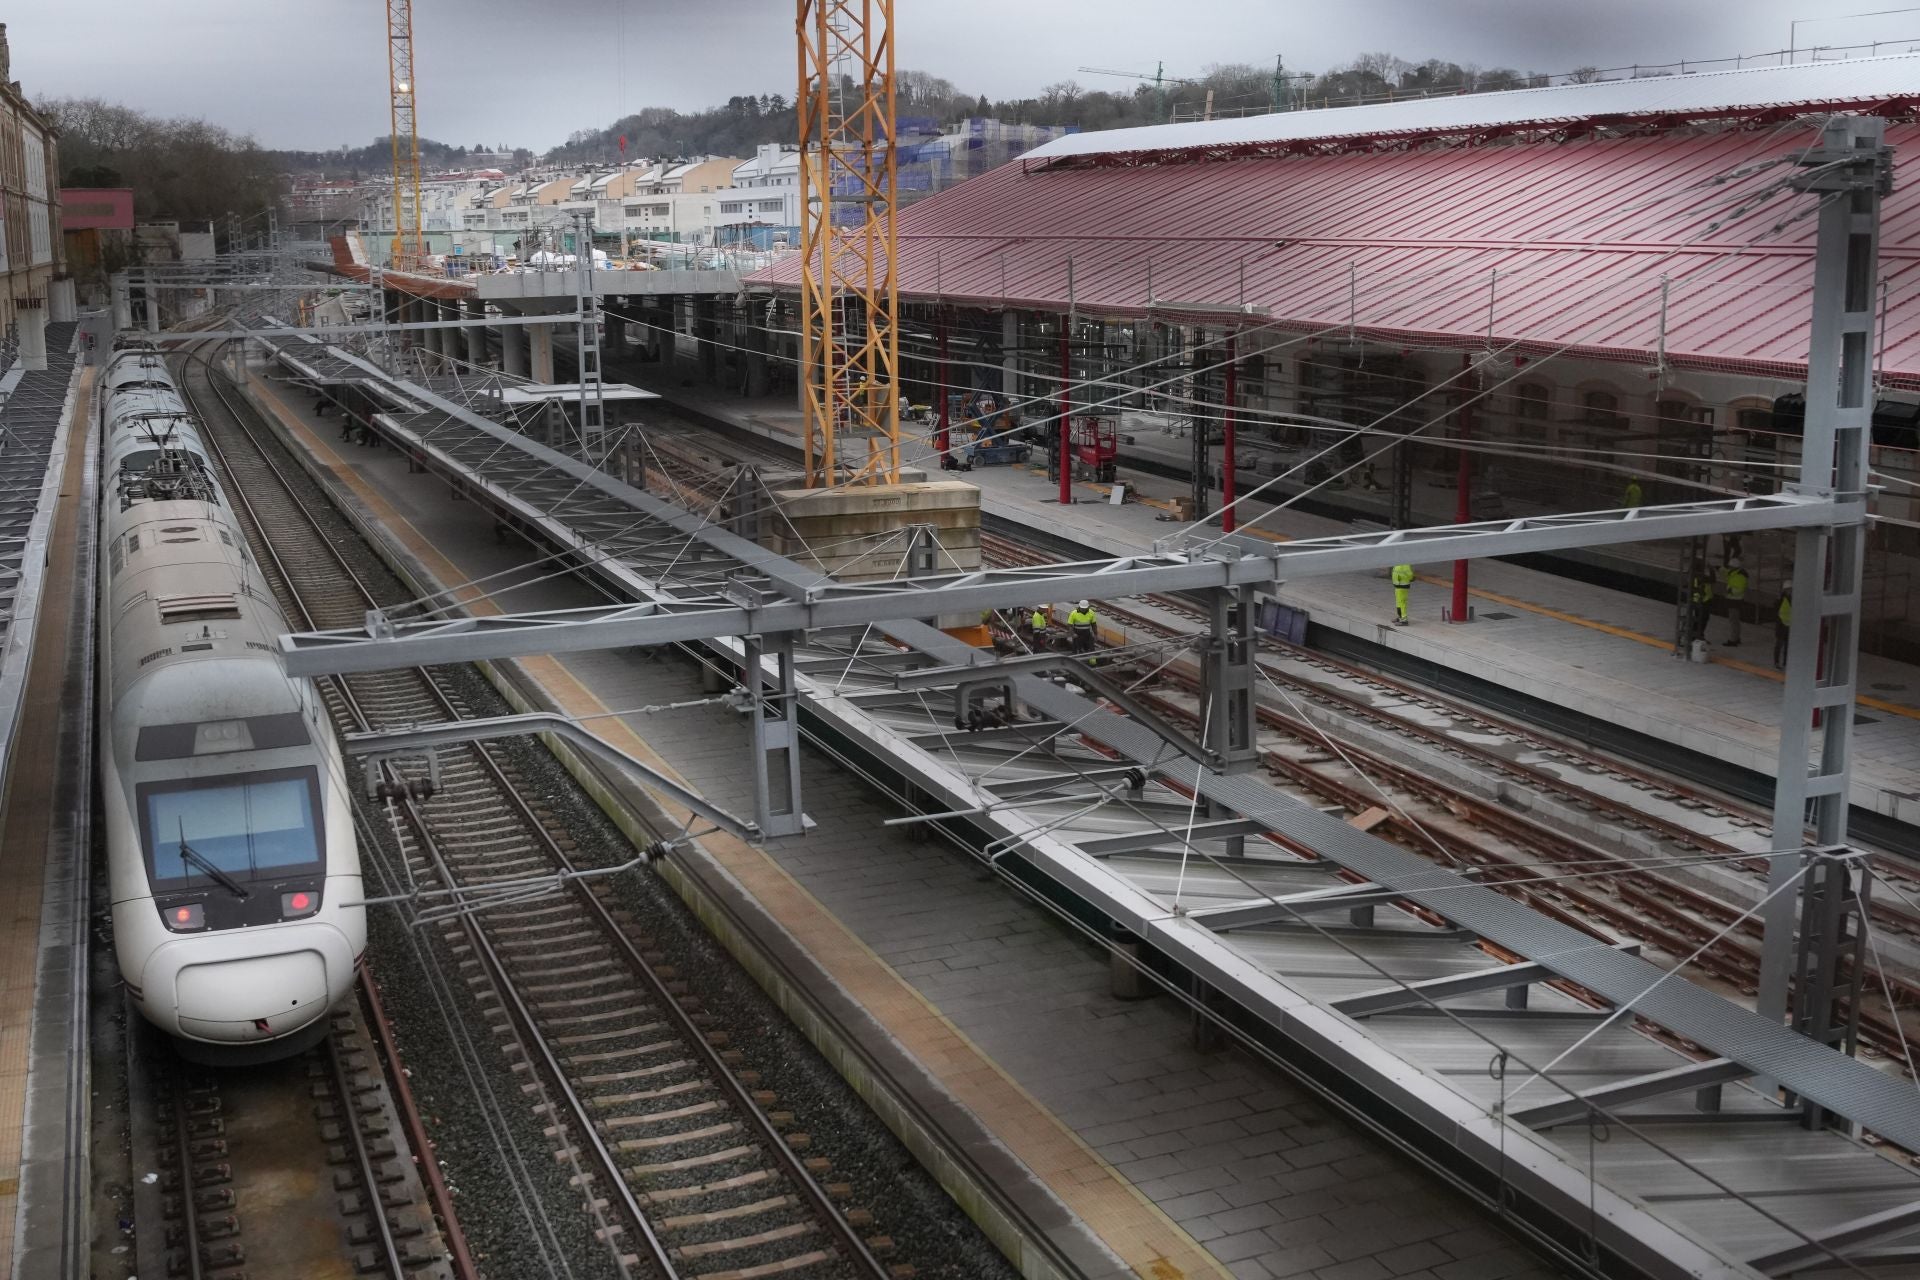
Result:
[{"x": 797, "y": 599}]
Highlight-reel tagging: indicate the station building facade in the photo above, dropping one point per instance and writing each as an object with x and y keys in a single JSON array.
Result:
[
  {"x": 1589, "y": 284},
  {"x": 31, "y": 256}
]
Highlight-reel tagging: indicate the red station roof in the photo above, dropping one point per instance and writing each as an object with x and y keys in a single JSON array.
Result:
[{"x": 1548, "y": 244}]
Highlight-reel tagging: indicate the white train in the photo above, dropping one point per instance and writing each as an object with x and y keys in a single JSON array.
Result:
[{"x": 237, "y": 900}]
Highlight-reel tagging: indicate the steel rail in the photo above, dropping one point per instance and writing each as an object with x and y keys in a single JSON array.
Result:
[
  {"x": 1521, "y": 827},
  {"x": 843, "y": 1233},
  {"x": 363, "y": 1159},
  {"x": 483, "y": 946},
  {"x": 189, "y": 1211},
  {"x": 389, "y": 1245},
  {"x": 464, "y": 1266}
]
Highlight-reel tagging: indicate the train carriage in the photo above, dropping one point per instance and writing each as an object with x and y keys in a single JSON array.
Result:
[{"x": 237, "y": 899}]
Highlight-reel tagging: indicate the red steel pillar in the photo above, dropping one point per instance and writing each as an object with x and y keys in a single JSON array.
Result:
[
  {"x": 1463, "y": 489},
  {"x": 1226, "y": 456},
  {"x": 1066, "y": 406},
  {"x": 941, "y": 441}
]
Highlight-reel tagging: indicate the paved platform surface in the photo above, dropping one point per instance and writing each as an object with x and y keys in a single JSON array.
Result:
[
  {"x": 1605, "y": 653},
  {"x": 1165, "y": 1161}
]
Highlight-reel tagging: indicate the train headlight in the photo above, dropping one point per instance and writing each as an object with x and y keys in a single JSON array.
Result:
[
  {"x": 186, "y": 918},
  {"x": 301, "y": 902}
]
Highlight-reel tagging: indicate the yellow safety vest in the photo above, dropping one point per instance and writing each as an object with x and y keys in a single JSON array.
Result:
[
  {"x": 1736, "y": 584},
  {"x": 1039, "y": 620},
  {"x": 1702, "y": 591},
  {"x": 1080, "y": 618},
  {"x": 1786, "y": 611},
  {"x": 1633, "y": 493},
  {"x": 1403, "y": 575}
]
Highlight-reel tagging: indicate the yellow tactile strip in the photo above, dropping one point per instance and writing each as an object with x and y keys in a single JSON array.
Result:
[
  {"x": 1131, "y": 1225},
  {"x": 27, "y": 817}
]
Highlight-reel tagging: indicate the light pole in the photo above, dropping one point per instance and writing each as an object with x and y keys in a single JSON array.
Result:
[{"x": 1793, "y": 28}]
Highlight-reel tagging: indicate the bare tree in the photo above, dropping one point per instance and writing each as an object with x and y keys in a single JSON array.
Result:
[
  {"x": 1061, "y": 95},
  {"x": 1384, "y": 65}
]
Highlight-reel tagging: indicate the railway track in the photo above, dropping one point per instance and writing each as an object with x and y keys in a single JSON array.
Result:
[
  {"x": 1656, "y": 904},
  {"x": 1704, "y": 847},
  {"x": 682, "y": 1166},
  {"x": 247, "y": 1165},
  {"x": 283, "y": 1168}
]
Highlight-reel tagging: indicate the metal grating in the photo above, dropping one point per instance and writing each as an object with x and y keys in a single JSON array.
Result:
[
  {"x": 646, "y": 541},
  {"x": 33, "y": 420}
]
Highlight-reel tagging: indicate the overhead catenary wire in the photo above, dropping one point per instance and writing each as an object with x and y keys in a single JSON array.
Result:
[
  {"x": 1151, "y": 362},
  {"x": 1480, "y": 394}
]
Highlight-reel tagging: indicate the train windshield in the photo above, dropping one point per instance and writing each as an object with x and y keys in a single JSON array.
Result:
[{"x": 254, "y": 826}]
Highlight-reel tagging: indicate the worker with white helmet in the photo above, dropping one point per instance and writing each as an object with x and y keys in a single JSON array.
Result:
[{"x": 1082, "y": 621}]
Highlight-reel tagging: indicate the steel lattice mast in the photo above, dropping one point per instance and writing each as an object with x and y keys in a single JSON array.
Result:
[
  {"x": 849, "y": 344},
  {"x": 409, "y": 245}
]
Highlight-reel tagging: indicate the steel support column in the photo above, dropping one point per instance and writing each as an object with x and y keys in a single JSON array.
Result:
[
  {"x": 1850, "y": 171},
  {"x": 1461, "y": 611},
  {"x": 121, "y": 295},
  {"x": 1829, "y": 956},
  {"x": 942, "y": 440},
  {"x": 773, "y": 713},
  {"x": 1063, "y": 428},
  {"x": 1200, "y": 461},
  {"x": 592, "y": 410},
  {"x": 1227, "y": 701},
  {"x": 1010, "y": 355},
  {"x": 1226, "y": 436}
]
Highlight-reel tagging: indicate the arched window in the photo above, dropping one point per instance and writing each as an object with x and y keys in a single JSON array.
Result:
[
  {"x": 1683, "y": 441},
  {"x": 1601, "y": 408},
  {"x": 1531, "y": 402},
  {"x": 1759, "y": 447},
  {"x": 1600, "y": 414}
]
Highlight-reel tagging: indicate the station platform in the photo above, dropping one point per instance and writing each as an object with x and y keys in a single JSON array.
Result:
[
  {"x": 46, "y": 544},
  {"x": 1135, "y": 1153},
  {"x": 1603, "y": 653}
]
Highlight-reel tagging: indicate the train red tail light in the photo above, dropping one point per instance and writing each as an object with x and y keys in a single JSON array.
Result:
[
  {"x": 303, "y": 902},
  {"x": 185, "y": 919}
]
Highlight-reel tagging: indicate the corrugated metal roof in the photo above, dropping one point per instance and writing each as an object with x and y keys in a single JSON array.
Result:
[
  {"x": 1546, "y": 245},
  {"x": 1850, "y": 82}
]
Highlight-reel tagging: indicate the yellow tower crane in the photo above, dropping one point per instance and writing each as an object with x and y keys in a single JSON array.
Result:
[
  {"x": 849, "y": 343},
  {"x": 409, "y": 245}
]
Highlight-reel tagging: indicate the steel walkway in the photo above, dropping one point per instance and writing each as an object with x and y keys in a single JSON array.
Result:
[{"x": 1472, "y": 1030}]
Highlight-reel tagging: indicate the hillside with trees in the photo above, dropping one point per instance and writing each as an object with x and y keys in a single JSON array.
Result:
[
  {"x": 183, "y": 168},
  {"x": 743, "y": 122},
  {"x": 376, "y": 158},
  {"x": 193, "y": 169}
]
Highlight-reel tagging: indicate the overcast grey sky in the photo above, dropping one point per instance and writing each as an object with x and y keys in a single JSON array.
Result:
[{"x": 312, "y": 73}]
